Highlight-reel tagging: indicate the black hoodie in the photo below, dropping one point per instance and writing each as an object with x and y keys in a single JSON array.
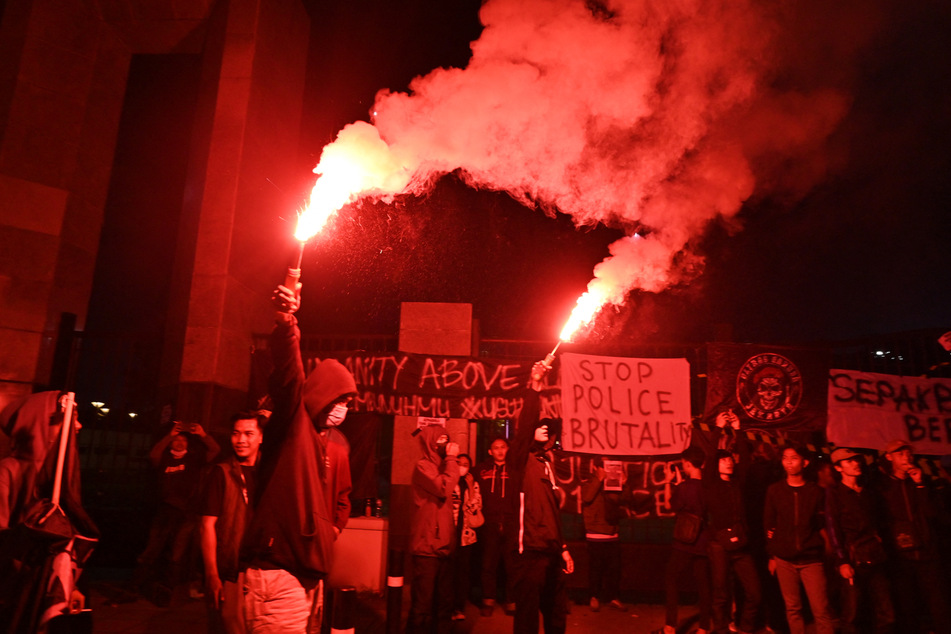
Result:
[
  {"x": 293, "y": 525},
  {"x": 537, "y": 525}
]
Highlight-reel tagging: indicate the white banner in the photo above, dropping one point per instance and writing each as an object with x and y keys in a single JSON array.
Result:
[
  {"x": 867, "y": 410},
  {"x": 617, "y": 406}
]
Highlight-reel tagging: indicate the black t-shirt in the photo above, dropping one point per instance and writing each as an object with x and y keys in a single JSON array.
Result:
[
  {"x": 215, "y": 490},
  {"x": 179, "y": 478}
]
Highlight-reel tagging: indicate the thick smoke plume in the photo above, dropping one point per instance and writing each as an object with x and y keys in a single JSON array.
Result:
[{"x": 653, "y": 117}]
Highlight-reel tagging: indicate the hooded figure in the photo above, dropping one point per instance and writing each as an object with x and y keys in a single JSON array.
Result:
[
  {"x": 296, "y": 513},
  {"x": 39, "y": 558},
  {"x": 433, "y": 536},
  {"x": 26, "y": 475},
  {"x": 434, "y": 479},
  {"x": 288, "y": 546}
]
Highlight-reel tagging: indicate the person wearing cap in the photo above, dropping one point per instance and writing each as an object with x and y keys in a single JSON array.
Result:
[
  {"x": 303, "y": 484},
  {"x": 908, "y": 513},
  {"x": 541, "y": 558},
  {"x": 859, "y": 554}
]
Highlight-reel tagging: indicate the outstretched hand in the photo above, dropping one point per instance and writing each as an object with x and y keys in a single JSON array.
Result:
[
  {"x": 285, "y": 300},
  {"x": 539, "y": 371}
]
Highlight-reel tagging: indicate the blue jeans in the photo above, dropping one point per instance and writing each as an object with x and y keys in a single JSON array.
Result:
[{"x": 813, "y": 578}]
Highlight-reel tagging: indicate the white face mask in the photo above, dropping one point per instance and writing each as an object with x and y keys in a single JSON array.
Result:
[
  {"x": 337, "y": 414},
  {"x": 463, "y": 471}
]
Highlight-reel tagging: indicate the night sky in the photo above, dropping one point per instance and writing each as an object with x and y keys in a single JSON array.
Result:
[{"x": 864, "y": 250}]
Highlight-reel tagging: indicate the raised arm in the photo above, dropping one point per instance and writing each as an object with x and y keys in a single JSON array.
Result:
[
  {"x": 439, "y": 481},
  {"x": 155, "y": 454},
  {"x": 287, "y": 377}
]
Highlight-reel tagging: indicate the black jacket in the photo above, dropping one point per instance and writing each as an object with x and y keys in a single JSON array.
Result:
[
  {"x": 906, "y": 508},
  {"x": 293, "y": 523},
  {"x": 796, "y": 518},
  {"x": 538, "y": 521},
  {"x": 850, "y": 523}
]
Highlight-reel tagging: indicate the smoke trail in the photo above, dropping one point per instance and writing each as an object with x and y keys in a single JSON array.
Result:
[{"x": 651, "y": 117}]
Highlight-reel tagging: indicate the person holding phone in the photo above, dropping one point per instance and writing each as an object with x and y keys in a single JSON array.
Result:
[{"x": 178, "y": 461}]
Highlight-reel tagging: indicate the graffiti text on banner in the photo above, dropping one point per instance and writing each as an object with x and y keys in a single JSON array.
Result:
[{"x": 649, "y": 479}]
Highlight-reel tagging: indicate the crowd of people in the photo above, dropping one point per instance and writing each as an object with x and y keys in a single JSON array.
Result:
[
  {"x": 865, "y": 541},
  {"x": 269, "y": 514},
  {"x": 754, "y": 526}
]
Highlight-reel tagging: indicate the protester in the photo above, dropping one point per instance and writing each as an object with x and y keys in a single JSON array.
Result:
[
  {"x": 542, "y": 559},
  {"x": 764, "y": 470},
  {"x": 467, "y": 514},
  {"x": 499, "y": 503},
  {"x": 172, "y": 535},
  {"x": 225, "y": 512},
  {"x": 724, "y": 477},
  {"x": 908, "y": 514},
  {"x": 689, "y": 548},
  {"x": 38, "y": 569},
  {"x": 601, "y": 511},
  {"x": 288, "y": 546},
  {"x": 795, "y": 531},
  {"x": 432, "y": 536},
  {"x": 859, "y": 554}
]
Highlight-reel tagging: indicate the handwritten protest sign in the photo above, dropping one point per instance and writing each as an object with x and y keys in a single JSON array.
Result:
[
  {"x": 621, "y": 406},
  {"x": 867, "y": 410}
]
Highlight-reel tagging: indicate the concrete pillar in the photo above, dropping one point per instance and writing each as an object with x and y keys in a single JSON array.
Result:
[
  {"x": 251, "y": 127},
  {"x": 425, "y": 328},
  {"x": 62, "y": 77}
]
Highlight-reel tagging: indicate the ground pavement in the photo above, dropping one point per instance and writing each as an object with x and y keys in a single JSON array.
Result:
[{"x": 115, "y": 611}]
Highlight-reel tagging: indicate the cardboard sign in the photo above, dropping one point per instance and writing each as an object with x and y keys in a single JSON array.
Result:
[
  {"x": 867, "y": 410},
  {"x": 618, "y": 406}
]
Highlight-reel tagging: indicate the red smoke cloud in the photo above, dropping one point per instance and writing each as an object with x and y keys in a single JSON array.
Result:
[{"x": 657, "y": 118}]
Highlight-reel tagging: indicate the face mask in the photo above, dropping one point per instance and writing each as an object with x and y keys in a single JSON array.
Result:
[
  {"x": 337, "y": 414},
  {"x": 463, "y": 471}
]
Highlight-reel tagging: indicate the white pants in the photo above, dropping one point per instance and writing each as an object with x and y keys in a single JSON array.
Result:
[{"x": 276, "y": 602}]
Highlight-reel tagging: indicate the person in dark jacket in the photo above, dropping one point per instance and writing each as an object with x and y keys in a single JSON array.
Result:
[
  {"x": 542, "y": 559},
  {"x": 433, "y": 535},
  {"x": 687, "y": 497},
  {"x": 794, "y": 520},
  {"x": 225, "y": 511},
  {"x": 601, "y": 511},
  {"x": 179, "y": 462},
  {"x": 38, "y": 575},
  {"x": 499, "y": 503},
  {"x": 859, "y": 554},
  {"x": 908, "y": 515},
  {"x": 288, "y": 546},
  {"x": 724, "y": 476}
]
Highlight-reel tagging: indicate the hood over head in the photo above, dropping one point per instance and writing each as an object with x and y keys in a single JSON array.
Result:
[
  {"x": 28, "y": 423},
  {"x": 427, "y": 441},
  {"x": 327, "y": 382}
]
